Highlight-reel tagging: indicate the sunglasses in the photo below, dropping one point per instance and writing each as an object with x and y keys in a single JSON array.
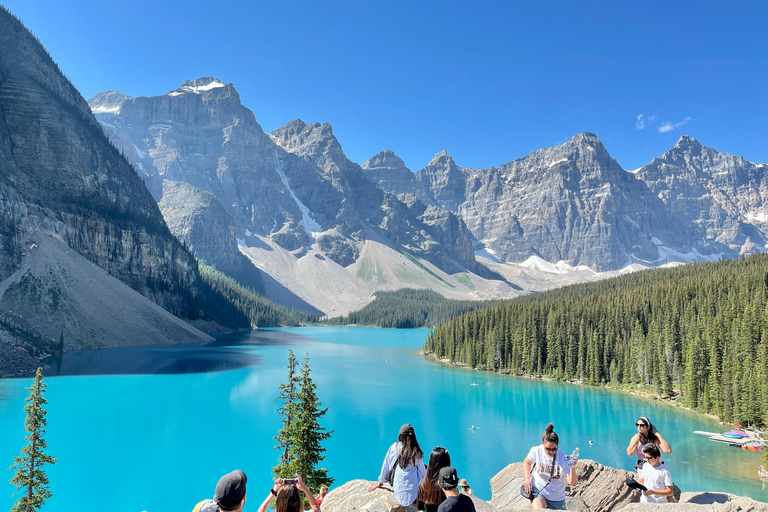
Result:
[
  {"x": 640, "y": 425},
  {"x": 550, "y": 450}
]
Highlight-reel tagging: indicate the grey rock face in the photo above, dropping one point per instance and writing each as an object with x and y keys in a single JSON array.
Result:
[
  {"x": 440, "y": 238},
  {"x": 294, "y": 186},
  {"x": 723, "y": 195},
  {"x": 390, "y": 173},
  {"x": 197, "y": 218},
  {"x": 572, "y": 202},
  {"x": 60, "y": 176}
]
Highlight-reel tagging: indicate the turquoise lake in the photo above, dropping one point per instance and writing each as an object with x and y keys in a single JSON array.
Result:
[{"x": 154, "y": 428}]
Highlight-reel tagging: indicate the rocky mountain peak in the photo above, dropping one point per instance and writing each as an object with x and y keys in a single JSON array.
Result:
[
  {"x": 587, "y": 140},
  {"x": 108, "y": 102},
  {"x": 442, "y": 159},
  {"x": 303, "y": 139},
  {"x": 387, "y": 159},
  {"x": 207, "y": 88},
  {"x": 200, "y": 85},
  {"x": 687, "y": 142}
]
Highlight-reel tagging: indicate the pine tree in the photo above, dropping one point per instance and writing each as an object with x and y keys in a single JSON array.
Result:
[
  {"x": 287, "y": 411},
  {"x": 300, "y": 439},
  {"x": 307, "y": 450},
  {"x": 30, "y": 476}
]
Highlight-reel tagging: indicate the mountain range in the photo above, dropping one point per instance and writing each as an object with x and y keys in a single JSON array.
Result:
[{"x": 327, "y": 232}]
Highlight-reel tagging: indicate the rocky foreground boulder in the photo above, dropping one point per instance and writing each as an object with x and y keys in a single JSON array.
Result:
[{"x": 600, "y": 489}]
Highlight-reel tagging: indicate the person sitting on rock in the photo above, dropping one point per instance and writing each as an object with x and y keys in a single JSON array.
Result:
[
  {"x": 464, "y": 487},
  {"x": 285, "y": 494},
  {"x": 545, "y": 470},
  {"x": 646, "y": 433},
  {"x": 430, "y": 492},
  {"x": 454, "y": 500},
  {"x": 229, "y": 496},
  {"x": 655, "y": 476},
  {"x": 406, "y": 462}
]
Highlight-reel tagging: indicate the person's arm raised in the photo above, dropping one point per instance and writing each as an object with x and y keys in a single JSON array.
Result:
[
  {"x": 632, "y": 448},
  {"x": 271, "y": 496},
  {"x": 303, "y": 488},
  {"x": 663, "y": 444}
]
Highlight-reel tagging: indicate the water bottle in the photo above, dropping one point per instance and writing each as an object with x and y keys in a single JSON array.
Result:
[{"x": 572, "y": 458}]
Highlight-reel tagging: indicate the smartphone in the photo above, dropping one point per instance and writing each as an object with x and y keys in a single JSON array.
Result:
[{"x": 290, "y": 481}]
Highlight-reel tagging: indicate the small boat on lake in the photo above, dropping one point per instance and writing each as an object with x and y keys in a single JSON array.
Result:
[{"x": 751, "y": 440}]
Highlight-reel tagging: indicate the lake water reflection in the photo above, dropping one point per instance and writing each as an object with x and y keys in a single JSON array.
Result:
[{"x": 145, "y": 420}]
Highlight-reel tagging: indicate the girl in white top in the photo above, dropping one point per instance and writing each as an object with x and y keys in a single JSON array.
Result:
[
  {"x": 547, "y": 471},
  {"x": 407, "y": 454}
]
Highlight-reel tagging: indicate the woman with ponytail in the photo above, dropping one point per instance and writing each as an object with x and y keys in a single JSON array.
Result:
[
  {"x": 547, "y": 470},
  {"x": 430, "y": 492},
  {"x": 404, "y": 467}
]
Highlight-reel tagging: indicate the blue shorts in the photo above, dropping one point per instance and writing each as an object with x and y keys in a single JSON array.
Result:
[{"x": 553, "y": 504}]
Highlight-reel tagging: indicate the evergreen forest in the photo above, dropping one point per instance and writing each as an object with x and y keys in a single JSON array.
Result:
[
  {"x": 239, "y": 307},
  {"x": 696, "y": 333},
  {"x": 408, "y": 308}
]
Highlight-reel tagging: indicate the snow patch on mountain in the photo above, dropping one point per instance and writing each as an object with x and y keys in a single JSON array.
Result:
[
  {"x": 756, "y": 216},
  {"x": 307, "y": 221}
]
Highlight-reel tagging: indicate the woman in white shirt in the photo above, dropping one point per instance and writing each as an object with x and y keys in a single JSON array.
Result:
[
  {"x": 407, "y": 459},
  {"x": 546, "y": 469}
]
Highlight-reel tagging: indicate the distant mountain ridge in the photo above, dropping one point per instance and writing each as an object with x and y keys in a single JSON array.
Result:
[
  {"x": 293, "y": 188},
  {"x": 573, "y": 203},
  {"x": 569, "y": 209}
]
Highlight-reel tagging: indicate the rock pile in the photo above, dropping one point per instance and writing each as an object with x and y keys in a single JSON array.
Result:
[{"x": 600, "y": 489}]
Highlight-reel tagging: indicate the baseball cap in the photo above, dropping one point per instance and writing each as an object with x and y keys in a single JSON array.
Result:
[
  {"x": 406, "y": 429},
  {"x": 447, "y": 477},
  {"x": 230, "y": 490}
]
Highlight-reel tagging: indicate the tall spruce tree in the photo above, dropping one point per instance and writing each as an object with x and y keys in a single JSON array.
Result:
[
  {"x": 301, "y": 436},
  {"x": 307, "y": 450},
  {"x": 30, "y": 476},
  {"x": 287, "y": 411}
]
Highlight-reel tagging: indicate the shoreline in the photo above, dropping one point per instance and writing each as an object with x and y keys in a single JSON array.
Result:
[{"x": 639, "y": 393}]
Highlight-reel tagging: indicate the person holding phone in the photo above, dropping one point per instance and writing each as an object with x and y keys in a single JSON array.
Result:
[{"x": 285, "y": 494}]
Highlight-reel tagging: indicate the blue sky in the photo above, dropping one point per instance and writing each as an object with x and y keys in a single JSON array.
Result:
[{"x": 487, "y": 81}]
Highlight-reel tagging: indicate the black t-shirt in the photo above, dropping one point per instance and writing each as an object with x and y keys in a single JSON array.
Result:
[{"x": 460, "y": 503}]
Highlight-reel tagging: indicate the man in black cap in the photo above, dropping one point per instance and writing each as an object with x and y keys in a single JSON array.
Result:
[
  {"x": 230, "y": 494},
  {"x": 454, "y": 500}
]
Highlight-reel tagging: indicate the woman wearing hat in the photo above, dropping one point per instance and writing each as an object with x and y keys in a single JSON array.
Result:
[
  {"x": 465, "y": 488},
  {"x": 404, "y": 468},
  {"x": 646, "y": 433}
]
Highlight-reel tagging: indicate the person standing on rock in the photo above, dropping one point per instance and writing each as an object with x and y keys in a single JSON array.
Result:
[
  {"x": 404, "y": 465},
  {"x": 655, "y": 476},
  {"x": 454, "y": 500},
  {"x": 646, "y": 433},
  {"x": 547, "y": 470},
  {"x": 430, "y": 492}
]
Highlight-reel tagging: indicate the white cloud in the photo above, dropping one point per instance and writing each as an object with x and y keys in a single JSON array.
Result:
[
  {"x": 644, "y": 121},
  {"x": 668, "y": 126}
]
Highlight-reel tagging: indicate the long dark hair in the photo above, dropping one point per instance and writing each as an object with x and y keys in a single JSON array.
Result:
[
  {"x": 288, "y": 499},
  {"x": 410, "y": 451},
  {"x": 549, "y": 435},
  {"x": 651, "y": 437},
  {"x": 430, "y": 491}
]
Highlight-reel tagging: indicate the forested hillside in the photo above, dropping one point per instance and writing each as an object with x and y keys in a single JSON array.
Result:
[
  {"x": 239, "y": 307},
  {"x": 409, "y": 308},
  {"x": 700, "y": 330}
]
